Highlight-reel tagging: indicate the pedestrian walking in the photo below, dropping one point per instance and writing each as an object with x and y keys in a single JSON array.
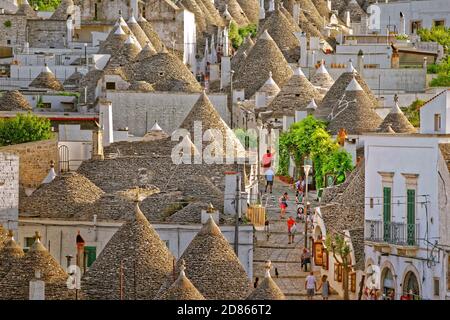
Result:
[
  {"x": 267, "y": 160},
  {"x": 305, "y": 259},
  {"x": 310, "y": 285},
  {"x": 269, "y": 179},
  {"x": 292, "y": 229},
  {"x": 325, "y": 286},
  {"x": 283, "y": 204}
]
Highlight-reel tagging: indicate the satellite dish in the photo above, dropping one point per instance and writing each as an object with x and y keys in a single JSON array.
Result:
[{"x": 373, "y": 277}]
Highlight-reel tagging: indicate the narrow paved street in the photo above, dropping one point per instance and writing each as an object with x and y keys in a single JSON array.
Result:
[{"x": 285, "y": 257}]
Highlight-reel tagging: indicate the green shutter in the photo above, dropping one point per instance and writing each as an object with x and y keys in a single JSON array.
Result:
[
  {"x": 387, "y": 213},
  {"x": 411, "y": 216},
  {"x": 91, "y": 255}
]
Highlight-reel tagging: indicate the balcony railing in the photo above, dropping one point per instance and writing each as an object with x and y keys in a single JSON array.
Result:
[{"x": 403, "y": 234}]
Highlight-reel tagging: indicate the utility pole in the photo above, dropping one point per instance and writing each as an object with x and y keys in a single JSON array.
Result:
[
  {"x": 306, "y": 168},
  {"x": 231, "y": 95}
]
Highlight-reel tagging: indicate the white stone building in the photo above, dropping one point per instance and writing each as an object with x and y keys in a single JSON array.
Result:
[{"x": 407, "y": 213}]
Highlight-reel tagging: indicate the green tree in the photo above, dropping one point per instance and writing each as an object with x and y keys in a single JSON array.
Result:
[
  {"x": 45, "y": 5},
  {"x": 309, "y": 139},
  {"x": 439, "y": 34},
  {"x": 24, "y": 128},
  {"x": 341, "y": 253},
  {"x": 412, "y": 112}
]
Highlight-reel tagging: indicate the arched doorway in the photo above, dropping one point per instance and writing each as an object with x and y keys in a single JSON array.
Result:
[
  {"x": 387, "y": 284},
  {"x": 411, "y": 285}
]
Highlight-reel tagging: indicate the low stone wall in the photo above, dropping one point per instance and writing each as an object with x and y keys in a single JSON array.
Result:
[{"x": 34, "y": 160}]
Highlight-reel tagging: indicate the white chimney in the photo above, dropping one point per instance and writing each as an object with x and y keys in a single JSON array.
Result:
[
  {"x": 37, "y": 287},
  {"x": 260, "y": 99},
  {"x": 106, "y": 121},
  {"x": 402, "y": 24},
  {"x": 329, "y": 4},
  {"x": 271, "y": 5},
  {"x": 134, "y": 8},
  {"x": 348, "y": 22},
  {"x": 300, "y": 115},
  {"x": 225, "y": 75},
  {"x": 296, "y": 13},
  {"x": 232, "y": 182},
  {"x": 287, "y": 121},
  {"x": 262, "y": 12}
]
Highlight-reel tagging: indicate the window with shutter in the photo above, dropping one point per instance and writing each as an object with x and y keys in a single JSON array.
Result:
[
  {"x": 411, "y": 216},
  {"x": 387, "y": 213}
]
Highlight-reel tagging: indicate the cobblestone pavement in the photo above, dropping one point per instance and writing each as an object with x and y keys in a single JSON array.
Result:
[{"x": 285, "y": 257}]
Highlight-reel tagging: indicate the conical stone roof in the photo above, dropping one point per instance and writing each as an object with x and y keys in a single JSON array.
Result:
[
  {"x": 147, "y": 51},
  {"x": 215, "y": 14},
  {"x": 354, "y": 112},
  {"x": 251, "y": 10},
  {"x": 65, "y": 8},
  {"x": 281, "y": 31},
  {"x": 270, "y": 87},
  {"x": 268, "y": 289},
  {"x": 151, "y": 34},
  {"x": 135, "y": 254},
  {"x": 14, "y": 101},
  {"x": 295, "y": 95},
  {"x": 213, "y": 267},
  {"x": 322, "y": 8},
  {"x": 397, "y": 121},
  {"x": 47, "y": 80},
  {"x": 3, "y": 236},
  {"x": 236, "y": 12},
  {"x": 309, "y": 28},
  {"x": 193, "y": 7},
  {"x": 141, "y": 86},
  {"x": 181, "y": 289},
  {"x": 74, "y": 79},
  {"x": 137, "y": 31},
  {"x": 338, "y": 89},
  {"x": 322, "y": 78},
  {"x": 203, "y": 111},
  {"x": 115, "y": 40},
  {"x": 166, "y": 72},
  {"x": 290, "y": 18},
  {"x": 27, "y": 10},
  {"x": 64, "y": 197},
  {"x": 262, "y": 59},
  {"x": 311, "y": 13},
  {"x": 15, "y": 284},
  {"x": 10, "y": 255},
  {"x": 126, "y": 54},
  {"x": 242, "y": 53},
  {"x": 356, "y": 12}
]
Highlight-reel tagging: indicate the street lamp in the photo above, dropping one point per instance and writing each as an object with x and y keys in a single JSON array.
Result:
[
  {"x": 231, "y": 95},
  {"x": 307, "y": 168}
]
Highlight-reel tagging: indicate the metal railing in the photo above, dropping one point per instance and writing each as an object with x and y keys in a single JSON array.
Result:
[{"x": 398, "y": 233}]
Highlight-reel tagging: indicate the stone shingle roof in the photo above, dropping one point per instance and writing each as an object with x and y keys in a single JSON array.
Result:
[
  {"x": 141, "y": 86},
  {"x": 338, "y": 89},
  {"x": 251, "y": 9},
  {"x": 3, "y": 236},
  {"x": 295, "y": 95},
  {"x": 290, "y": 18},
  {"x": 357, "y": 238},
  {"x": 235, "y": 10},
  {"x": 322, "y": 8},
  {"x": 65, "y": 8},
  {"x": 146, "y": 52},
  {"x": 354, "y": 112},
  {"x": 193, "y": 7},
  {"x": 135, "y": 250},
  {"x": 242, "y": 53},
  {"x": 281, "y": 31},
  {"x": 309, "y": 28},
  {"x": 15, "y": 284},
  {"x": 27, "y": 10},
  {"x": 115, "y": 40},
  {"x": 265, "y": 57},
  {"x": 322, "y": 78},
  {"x": 125, "y": 55},
  {"x": 10, "y": 255},
  {"x": 181, "y": 289},
  {"x": 311, "y": 13},
  {"x": 268, "y": 289},
  {"x": 64, "y": 197},
  {"x": 166, "y": 72},
  {"x": 150, "y": 33},
  {"x": 14, "y": 101},
  {"x": 47, "y": 80},
  {"x": 203, "y": 111},
  {"x": 397, "y": 121},
  {"x": 346, "y": 211},
  {"x": 356, "y": 12},
  {"x": 74, "y": 79},
  {"x": 213, "y": 12},
  {"x": 137, "y": 31},
  {"x": 213, "y": 267},
  {"x": 189, "y": 214}
]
